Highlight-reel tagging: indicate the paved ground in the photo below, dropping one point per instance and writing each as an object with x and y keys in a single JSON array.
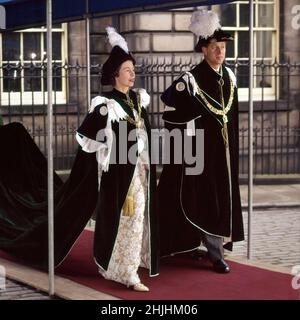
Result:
[
  {"x": 273, "y": 196},
  {"x": 275, "y": 233},
  {"x": 275, "y": 237},
  {"x": 275, "y": 224}
]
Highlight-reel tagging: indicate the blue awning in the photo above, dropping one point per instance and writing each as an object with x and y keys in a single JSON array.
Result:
[
  {"x": 28, "y": 13},
  {"x": 106, "y": 7}
]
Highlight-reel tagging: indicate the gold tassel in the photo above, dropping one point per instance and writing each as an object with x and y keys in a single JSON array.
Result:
[
  {"x": 225, "y": 135},
  {"x": 128, "y": 206}
]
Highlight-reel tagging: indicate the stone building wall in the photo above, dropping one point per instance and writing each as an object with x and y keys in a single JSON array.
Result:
[{"x": 163, "y": 37}]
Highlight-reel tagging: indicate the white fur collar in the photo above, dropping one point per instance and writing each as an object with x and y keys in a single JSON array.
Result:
[
  {"x": 114, "y": 109},
  {"x": 145, "y": 98},
  {"x": 231, "y": 75}
]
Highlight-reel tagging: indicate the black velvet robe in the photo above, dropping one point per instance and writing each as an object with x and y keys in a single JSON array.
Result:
[
  {"x": 23, "y": 196},
  {"x": 203, "y": 201},
  {"x": 23, "y": 199},
  {"x": 115, "y": 184}
]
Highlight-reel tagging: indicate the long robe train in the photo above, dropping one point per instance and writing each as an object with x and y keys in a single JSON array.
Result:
[{"x": 23, "y": 199}]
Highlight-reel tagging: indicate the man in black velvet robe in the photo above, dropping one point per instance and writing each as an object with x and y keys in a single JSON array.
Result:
[{"x": 205, "y": 206}]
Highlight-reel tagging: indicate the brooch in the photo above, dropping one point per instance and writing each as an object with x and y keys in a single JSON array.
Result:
[{"x": 180, "y": 86}]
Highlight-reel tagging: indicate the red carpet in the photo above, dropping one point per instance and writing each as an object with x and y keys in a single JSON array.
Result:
[{"x": 181, "y": 278}]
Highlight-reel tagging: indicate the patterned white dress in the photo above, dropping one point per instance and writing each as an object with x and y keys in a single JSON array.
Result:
[{"x": 131, "y": 248}]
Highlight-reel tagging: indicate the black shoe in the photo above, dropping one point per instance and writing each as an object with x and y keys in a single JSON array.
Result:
[{"x": 221, "y": 266}]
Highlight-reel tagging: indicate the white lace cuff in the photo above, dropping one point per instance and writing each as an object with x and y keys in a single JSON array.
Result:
[{"x": 101, "y": 149}]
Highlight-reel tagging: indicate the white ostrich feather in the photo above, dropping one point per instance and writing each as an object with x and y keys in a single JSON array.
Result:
[
  {"x": 204, "y": 23},
  {"x": 115, "y": 39}
]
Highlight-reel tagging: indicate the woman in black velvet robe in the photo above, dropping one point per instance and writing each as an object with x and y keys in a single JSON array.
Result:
[
  {"x": 111, "y": 173},
  {"x": 118, "y": 130}
]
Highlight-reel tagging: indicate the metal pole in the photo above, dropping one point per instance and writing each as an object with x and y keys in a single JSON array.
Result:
[
  {"x": 88, "y": 55},
  {"x": 50, "y": 151},
  {"x": 250, "y": 133}
]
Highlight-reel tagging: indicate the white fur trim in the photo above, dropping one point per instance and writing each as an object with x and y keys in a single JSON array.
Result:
[
  {"x": 145, "y": 97},
  {"x": 89, "y": 145},
  {"x": 167, "y": 108},
  {"x": 204, "y": 23},
  {"x": 103, "y": 151},
  {"x": 231, "y": 75},
  {"x": 96, "y": 101},
  {"x": 190, "y": 81},
  {"x": 114, "y": 109}
]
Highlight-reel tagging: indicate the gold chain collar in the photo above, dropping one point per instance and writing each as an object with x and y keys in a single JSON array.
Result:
[
  {"x": 213, "y": 109},
  {"x": 129, "y": 101},
  {"x": 137, "y": 121}
]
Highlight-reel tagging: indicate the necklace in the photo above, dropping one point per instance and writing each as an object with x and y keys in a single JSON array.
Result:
[
  {"x": 129, "y": 102},
  {"x": 137, "y": 120},
  {"x": 224, "y": 110}
]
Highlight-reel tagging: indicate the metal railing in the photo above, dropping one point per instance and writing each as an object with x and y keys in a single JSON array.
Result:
[{"x": 276, "y": 118}]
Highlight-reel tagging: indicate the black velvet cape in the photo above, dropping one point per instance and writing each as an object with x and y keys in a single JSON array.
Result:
[
  {"x": 115, "y": 184},
  {"x": 200, "y": 202},
  {"x": 23, "y": 199},
  {"x": 23, "y": 196}
]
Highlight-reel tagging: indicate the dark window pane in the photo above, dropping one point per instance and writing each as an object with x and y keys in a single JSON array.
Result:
[
  {"x": 244, "y": 15},
  {"x": 11, "y": 46},
  {"x": 243, "y": 76},
  {"x": 228, "y": 15},
  {"x": 230, "y": 49},
  {"x": 56, "y": 45},
  {"x": 32, "y": 46},
  {"x": 243, "y": 44},
  {"x": 11, "y": 78},
  {"x": 32, "y": 77},
  {"x": 264, "y": 44},
  {"x": 265, "y": 15}
]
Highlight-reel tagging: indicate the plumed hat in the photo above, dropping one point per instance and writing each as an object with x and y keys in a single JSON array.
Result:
[
  {"x": 118, "y": 55},
  {"x": 206, "y": 25}
]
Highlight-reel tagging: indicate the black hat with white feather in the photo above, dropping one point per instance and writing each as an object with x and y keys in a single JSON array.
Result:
[
  {"x": 206, "y": 25},
  {"x": 118, "y": 55}
]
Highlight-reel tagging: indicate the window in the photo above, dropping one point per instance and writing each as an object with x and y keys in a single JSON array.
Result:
[
  {"x": 235, "y": 19},
  {"x": 24, "y": 66}
]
